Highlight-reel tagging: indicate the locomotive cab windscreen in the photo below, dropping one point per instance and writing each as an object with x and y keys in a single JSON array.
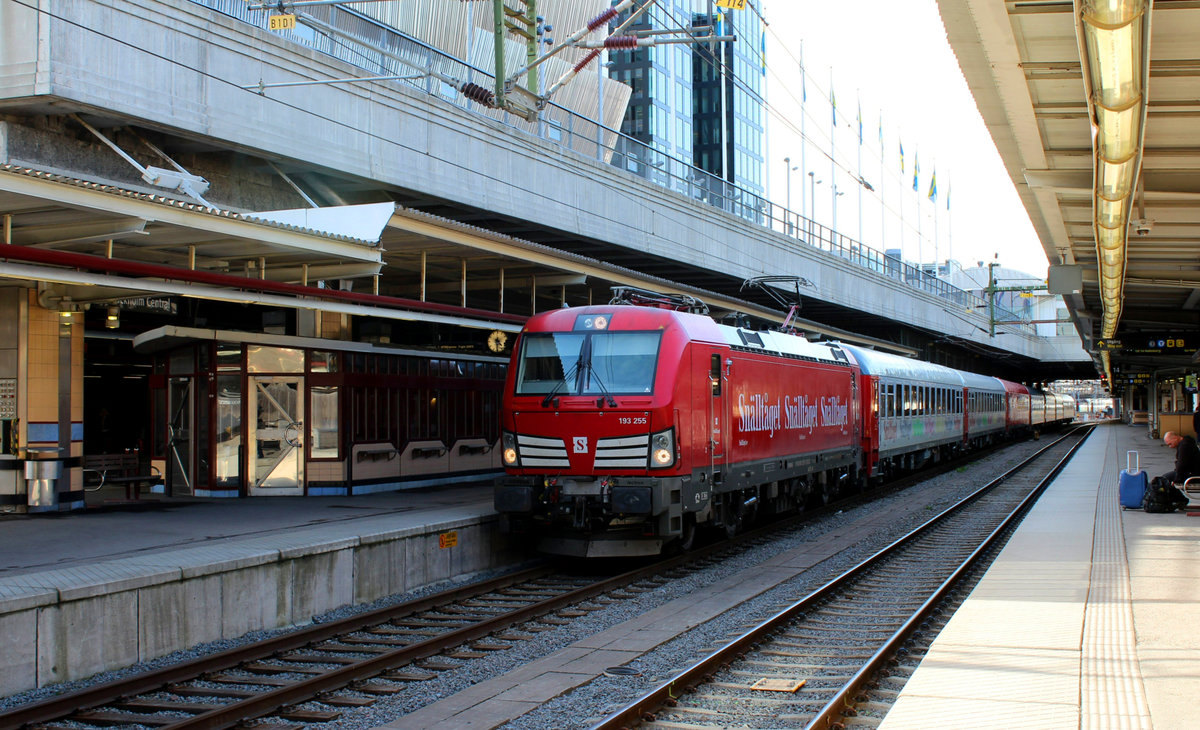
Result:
[{"x": 588, "y": 361}]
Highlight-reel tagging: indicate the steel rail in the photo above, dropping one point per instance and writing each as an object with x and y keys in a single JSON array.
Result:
[
  {"x": 642, "y": 709},
  {"x": 831, "y": 714},
  {"x": 267, "y": 702},
  {"x": 156, "y": 679}
]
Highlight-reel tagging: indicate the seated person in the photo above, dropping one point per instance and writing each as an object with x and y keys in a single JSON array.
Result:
[{"x": 1187, "y": 457}]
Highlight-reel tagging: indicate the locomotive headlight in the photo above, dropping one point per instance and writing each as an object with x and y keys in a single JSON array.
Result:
[
  {"x": 662, "y": 449},
  {"x": 510, "y": 449}
]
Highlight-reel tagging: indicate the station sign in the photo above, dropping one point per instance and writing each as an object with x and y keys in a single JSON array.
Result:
[
  {"x": 1149, "y": 344},
  {"x": 1137, "y": 378},
  {"x": 150, "y": 305},
  {"x": 1159, "y": 344}
]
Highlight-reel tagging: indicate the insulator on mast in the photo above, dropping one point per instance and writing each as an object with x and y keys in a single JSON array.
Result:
[
  {"x": 602, "y": 19},
  {"x": 586, "y": 60},
  {"x": 621, "y": 41},
  {"x": 475, "y": 92}
]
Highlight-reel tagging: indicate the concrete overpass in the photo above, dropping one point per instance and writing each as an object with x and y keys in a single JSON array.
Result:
[{"x": 492, "y": 214}]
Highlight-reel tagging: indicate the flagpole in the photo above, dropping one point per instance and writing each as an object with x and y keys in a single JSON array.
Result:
[
  {"x": 949, "y": 225},
  {"x": 902, "y": 231},
  {"x": 832, "y": 155},
  {"x": 936, "y": 256},
  {"x": 920, "y": 236},
  {"x": 860, "y": 187},
  {"x": 803, "y": 145},
  {"x": 882, "y": 188}
]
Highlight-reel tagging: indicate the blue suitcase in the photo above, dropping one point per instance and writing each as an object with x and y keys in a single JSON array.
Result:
[{"x": 1133, "y": 482}]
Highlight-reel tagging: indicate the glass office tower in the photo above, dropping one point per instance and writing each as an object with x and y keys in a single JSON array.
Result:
[{"x": 701, "y": 103}]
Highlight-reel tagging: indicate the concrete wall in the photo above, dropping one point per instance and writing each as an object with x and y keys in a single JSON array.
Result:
[
  {"x": 181, "y": 71},
  {"x": 68, "y": 624}
]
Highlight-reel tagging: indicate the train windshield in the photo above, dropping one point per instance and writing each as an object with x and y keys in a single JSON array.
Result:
[{"x": 588, "y": 363}]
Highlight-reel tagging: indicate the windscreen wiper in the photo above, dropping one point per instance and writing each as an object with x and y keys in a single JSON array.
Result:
[
  {"x": 558, "y": 386},
  {"x": 605, "y": 397}
]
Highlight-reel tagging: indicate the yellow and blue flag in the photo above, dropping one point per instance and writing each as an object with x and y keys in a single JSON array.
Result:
[
  {"x": 901, "y": 157},
  {"x": 916, "y": 172},
  {"x": 933, "y": 186}
]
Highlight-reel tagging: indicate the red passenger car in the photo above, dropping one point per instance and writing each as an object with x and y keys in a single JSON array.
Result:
[{"x": 1018, "y": 403}]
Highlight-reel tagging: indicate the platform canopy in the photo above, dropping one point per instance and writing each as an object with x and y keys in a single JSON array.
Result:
[
  {"x": 54, "y": 225},
  {"x": 1093, "y": 107}
]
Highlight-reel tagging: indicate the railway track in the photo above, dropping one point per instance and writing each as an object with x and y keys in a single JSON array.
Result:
[
  {"x": 353, "y": 661},
  {"x": 341, "y": 664},
  {"x": 338, "y": 666},
  {"x": 818, "y": 661}
]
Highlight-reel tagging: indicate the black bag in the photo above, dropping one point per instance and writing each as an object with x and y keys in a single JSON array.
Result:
[{"x": 1162, "y": 496}]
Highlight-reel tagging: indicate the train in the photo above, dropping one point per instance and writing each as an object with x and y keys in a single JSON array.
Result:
[{"x": 627, "y": 427}]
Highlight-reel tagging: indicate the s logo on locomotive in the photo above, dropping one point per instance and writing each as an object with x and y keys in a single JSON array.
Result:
[{"x": 580, "y": 444}]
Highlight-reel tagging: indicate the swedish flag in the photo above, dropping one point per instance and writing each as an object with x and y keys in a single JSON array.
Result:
[
  {"x": 916, "y": 173},
  {"x": 933, "y": 186}
]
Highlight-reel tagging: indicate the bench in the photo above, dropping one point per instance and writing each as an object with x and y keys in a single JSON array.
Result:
[
  {"x": 100, "y": 470},
  {"x": 1191, "y": 490}
]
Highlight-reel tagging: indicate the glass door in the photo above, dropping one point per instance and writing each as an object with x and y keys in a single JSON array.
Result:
[
  {"x": 276, "y": 435},
  {"x": 179, "y": 437}
]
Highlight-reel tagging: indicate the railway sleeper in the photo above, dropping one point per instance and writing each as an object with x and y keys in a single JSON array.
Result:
[
  {"x": 182, "y": 691},
  {"x": 309, "y": 715},
  {"x": 141, "y": 705},
  {"x": 254, "y": 680},
  {"x": 106, "y": 718},
  {"x": 336, "y": 700}
]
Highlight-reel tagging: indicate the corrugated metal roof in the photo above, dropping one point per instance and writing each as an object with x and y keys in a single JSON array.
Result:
[{"x": 175, "y": 203}]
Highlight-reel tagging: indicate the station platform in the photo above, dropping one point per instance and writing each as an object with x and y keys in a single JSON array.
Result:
[
  {"x": 1086, "y": 619},
  {"x": 89, "y": 591}
]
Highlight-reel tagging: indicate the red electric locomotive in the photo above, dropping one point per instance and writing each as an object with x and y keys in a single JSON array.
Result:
[{"x": 625, "y": 427}]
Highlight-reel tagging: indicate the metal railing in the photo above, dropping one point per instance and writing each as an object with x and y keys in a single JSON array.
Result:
[{"x": 370, "y": 44}]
